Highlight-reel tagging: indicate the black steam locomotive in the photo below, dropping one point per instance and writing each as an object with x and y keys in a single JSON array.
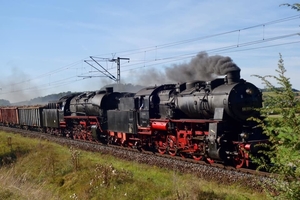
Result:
[
  {"x": 199, "y": 119},
  {"x": 203, "y": 120}
]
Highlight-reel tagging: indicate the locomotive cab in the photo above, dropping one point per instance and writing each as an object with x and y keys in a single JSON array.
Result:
[
  {"x": 154, "y": 103},
  {"x": 124, "y": 118}
]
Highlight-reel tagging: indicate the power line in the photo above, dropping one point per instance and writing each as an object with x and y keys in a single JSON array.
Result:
[
  {"x": 178, "y": 57},
  {"x": 215, "y": 50},
  {"x": 168, "y": 60},
  {"x": 58, "y": 70},
  {"x": 154, "y": 48}
]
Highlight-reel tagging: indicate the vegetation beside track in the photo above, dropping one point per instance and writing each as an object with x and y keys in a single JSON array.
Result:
[
  {"x": 283, "y": 130},
  {"x": 37, "y": 169}
]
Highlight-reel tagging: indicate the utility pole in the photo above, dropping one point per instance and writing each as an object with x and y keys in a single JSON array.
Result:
[{"x": 118, "y": 61}]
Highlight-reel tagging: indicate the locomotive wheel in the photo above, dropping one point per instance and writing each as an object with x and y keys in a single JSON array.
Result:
[
  {"x": 197, "y": 157},
  {"x": 172, "y": 151},
  {"x": 161, "y": 150},
  {"x": 172, "y": 145},
  {"x": 162, "y": 147},
  {"x": 209, "y": 161},
  {"x": 239, "y": 160},
  {"x": 198, "y": 150}
]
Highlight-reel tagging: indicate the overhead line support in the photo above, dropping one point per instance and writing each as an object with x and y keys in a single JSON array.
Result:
[{"x": 118, "y": 61}]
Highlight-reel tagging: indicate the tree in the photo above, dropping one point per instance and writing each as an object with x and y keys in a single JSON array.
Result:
[
  {"x": 283, "y": 155},
  {"x": 295, "y": 6}
]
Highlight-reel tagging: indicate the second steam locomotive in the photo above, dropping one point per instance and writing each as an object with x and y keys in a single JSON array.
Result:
[{"x": 203, "y": 120}]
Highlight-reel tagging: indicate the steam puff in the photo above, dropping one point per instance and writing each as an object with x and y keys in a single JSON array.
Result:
[{"x": 202, "y": 67}]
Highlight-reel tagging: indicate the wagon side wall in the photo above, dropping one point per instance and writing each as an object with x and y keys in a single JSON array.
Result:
[
  {"x": 30, "y": 117},
  {"x": 10, "y": 115}
]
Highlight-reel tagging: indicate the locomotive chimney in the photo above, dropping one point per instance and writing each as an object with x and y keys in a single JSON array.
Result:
[
  {"x": 233, "y": 76},
  {"x": 109, "y": 89}
]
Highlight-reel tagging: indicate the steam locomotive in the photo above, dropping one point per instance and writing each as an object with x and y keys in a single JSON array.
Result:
[{"x": 203, "y": 120}]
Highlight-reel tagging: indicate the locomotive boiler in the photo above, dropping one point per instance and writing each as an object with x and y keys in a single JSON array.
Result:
[
  {"x": 94, "y": 103},
  {"x": 237, "y": 98},
  {"x": 234, "y": 97}
]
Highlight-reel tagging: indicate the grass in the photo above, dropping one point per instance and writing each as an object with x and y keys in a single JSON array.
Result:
[{"x": 36, "y": 169}]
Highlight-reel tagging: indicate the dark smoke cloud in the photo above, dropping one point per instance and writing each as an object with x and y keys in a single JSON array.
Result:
[
  {"x": 149, "y": 77},
  {"x": 202, "y": 67}
]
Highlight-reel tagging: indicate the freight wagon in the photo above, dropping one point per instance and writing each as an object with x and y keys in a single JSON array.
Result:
[
  {"x": 9, "y": 116},
  {"x": 30, "y": 116}
]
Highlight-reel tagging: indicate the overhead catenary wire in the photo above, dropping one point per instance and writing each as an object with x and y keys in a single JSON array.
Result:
[
  {"x": 156, "y": 47},
  {"x": 174, "y": 58},
  {"x": 223, "y": 51},
  {"x": 214, "y": 50},
  {"x": 159, "y": 61},
  {"x": 55, "y": 71},
  {"x": 63, "y": 82}
]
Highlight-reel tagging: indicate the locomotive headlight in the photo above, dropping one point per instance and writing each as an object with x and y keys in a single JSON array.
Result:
[
  {"x": 244, "y": 136},
  {"x": 249, "y": 91}
]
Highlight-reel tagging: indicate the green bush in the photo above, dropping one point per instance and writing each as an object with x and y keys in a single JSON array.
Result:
[{"x": 283, "y": 155}]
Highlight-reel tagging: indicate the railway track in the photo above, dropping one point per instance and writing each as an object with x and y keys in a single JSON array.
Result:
[{"x": 211, "y": 172}]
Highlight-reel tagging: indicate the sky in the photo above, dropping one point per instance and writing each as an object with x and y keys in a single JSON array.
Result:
[{"x": 48, "y": 46}]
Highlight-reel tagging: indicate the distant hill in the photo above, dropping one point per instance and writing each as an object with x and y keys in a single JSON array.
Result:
[
  {"x": 42, "y": 100},
  {"x": 4, "y": 102}
]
